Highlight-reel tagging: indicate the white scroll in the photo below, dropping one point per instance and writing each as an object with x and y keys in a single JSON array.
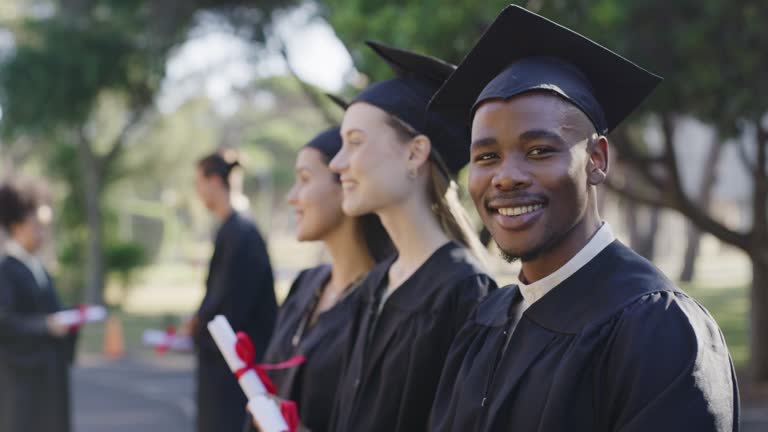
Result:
[
  {"x": 165, "y": 340},
  {"x": 263, "y": 408},
  {"x": 78, "y": 317}
]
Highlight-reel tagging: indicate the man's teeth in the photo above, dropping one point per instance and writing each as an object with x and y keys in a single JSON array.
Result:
[{"x": 517, "y": 211}]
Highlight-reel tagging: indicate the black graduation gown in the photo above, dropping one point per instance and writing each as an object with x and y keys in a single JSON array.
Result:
[
  {"x": 313, "y": 384},
  {"x": 394, "y": 364},
  {"x": 615, "y": 347},
  {"x": 240, "y": 287},
  {"x": 34, "y": 366}
]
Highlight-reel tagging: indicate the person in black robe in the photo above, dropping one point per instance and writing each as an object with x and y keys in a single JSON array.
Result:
[
  {"x": 594, "y": 338},
  {"x": 35, "y": 352},
  {"x": 314, "y": 321},
  {"x": 239, "y": 286},
  {"x": 398, "y": 162}
]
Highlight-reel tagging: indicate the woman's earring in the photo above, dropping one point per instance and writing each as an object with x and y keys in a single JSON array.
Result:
[
  {"x": 597, "y": 177},
  {"x": 413, "y": 173}
]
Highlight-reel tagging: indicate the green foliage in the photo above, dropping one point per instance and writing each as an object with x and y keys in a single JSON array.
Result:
[
  {"x": 58, "y": 71},
  {"x": 124, "y": 258},
  {"x": 78, "y": 77},
  {"x": 436, "y": 27},
  {"x": 712, "y": 53},
  {"x": 272, "y": 136}
]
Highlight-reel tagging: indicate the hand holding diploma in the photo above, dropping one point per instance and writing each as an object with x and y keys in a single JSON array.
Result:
[
  {"x": 190, "y": 327},
  {"x": 239, "y": 353},
  {"x": 72, "y": 318},
  {"x": 167, "y": 340},
  {"x": 54, "y": 328}
]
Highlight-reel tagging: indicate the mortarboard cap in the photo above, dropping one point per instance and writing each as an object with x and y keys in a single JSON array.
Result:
[
  {"x": 337, "y": 100},
  {"x": 328, "y": 142},
  {"x": 407, "y": 95},
  {"x": 522, "y": 52}
]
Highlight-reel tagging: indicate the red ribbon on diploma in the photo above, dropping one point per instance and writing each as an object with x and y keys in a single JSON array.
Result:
[
  {"x": 170, "y": 332},
  {"x": 83, "y": 312},
  {"x": 247, "y": 353},
  {"x": 290, "y": 414}
]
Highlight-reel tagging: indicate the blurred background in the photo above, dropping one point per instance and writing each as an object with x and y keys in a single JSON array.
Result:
[{"x": 107, "y": 104}]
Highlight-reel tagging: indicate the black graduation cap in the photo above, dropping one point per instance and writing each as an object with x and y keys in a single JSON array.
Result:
[
  {"x": 338, "y": 100},
  {"x": 327, "y": 141},
  {"x": 522, "y": 51},
  {"x": 407, "y": 95}
]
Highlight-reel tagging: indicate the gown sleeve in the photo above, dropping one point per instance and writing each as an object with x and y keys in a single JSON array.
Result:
[
  {"x": 667, "y": 368},
  {"x": 69, "y": 342}
]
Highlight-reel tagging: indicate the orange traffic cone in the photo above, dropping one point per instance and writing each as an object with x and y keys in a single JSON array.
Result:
[{"x": 114, "y": 346}]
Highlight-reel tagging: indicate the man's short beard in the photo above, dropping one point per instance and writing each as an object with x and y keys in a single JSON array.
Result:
[
  {"x": 529, "y": 256},
  {"x": 510, "y": 257},
  {"x": 507, "y": 256}
]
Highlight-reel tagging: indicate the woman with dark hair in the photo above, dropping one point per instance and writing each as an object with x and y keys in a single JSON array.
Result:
[
  {"x": 399, "y": 162},
  {"x": 240, "y": 287},
  {"x": 314, "y": 320},
  {"x": 35, "y": 351}
]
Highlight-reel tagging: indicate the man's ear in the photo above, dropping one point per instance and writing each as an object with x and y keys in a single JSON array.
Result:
[
  {"x": 597, "y": 167},
  {"x": 419, "y": 150}
]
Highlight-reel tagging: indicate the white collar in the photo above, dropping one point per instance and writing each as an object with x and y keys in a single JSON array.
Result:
[
  {"x": 31, "y": 261},
  {"x": 600, "y": 240},
  {"x": 17, "y": 251}
]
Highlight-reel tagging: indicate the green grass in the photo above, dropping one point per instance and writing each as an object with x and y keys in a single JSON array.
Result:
[
  {"x": 730, "y": 307},
  {"x": 92, "y": 336}
]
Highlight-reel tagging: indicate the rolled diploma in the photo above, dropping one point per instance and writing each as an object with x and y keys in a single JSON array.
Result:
[
  {"x": 73, "y": 317},
  {"x": 225, "y": 339},
  {"x": 266, "y": 413},
  {"x": 155, "y": 338}
]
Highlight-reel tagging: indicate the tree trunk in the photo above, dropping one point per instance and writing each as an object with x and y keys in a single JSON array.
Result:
[
  {"x": 312, "y": 96},
  {"x": 707, "y": 185},
  {"x": 758, "y": 361},
  {"x": 643, "y": 224},
  {"x": 759, "y": 256},
  {"x": 94, "y": 260},
  {"x": 691, "y": 253}
]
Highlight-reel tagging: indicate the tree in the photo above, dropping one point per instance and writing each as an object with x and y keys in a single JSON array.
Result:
[
  {"x": 107, "y": 64},
  {"x": 89, "y": 54},
  {"x": 706, "y": 69}
]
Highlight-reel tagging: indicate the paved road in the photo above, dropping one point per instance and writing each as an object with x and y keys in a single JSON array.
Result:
[
  {"x": 754, "y": 420},
  {"x": 146, "y": 394},
  {"x": 133, "y": 395}
]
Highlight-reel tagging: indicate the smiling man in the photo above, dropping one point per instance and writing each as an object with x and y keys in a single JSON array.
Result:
[{"x": 594, "y": 338}]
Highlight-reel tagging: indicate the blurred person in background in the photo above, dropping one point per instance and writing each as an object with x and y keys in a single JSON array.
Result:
[
  {"x": 239, "y": 286},
  {"x": 35, "y": 352}
]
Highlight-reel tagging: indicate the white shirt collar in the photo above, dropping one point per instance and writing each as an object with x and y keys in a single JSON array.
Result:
[
  {"x": 534, "y": 291},
  {"x": 33, "y": 263}
]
